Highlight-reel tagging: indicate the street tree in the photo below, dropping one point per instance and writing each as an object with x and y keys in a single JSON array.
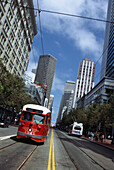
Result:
[{"x": 12, "y": 92}]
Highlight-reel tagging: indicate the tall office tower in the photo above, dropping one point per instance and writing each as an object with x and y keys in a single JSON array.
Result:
[
  {"x": 66, "y": 97},
  {"x": 50, "y": 105},
  {"x": 17, "y": 29},
  {"x": 85, "y": 79},
  {"x": 45, "y": 72},
  {"x": 107, "y": 67}
]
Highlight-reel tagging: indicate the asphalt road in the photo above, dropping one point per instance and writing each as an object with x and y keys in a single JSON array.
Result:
[
  {"x": 86, "y": 154},
  {"x": 60, "y": 152}
]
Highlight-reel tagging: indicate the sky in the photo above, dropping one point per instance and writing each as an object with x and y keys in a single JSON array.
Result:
[{"x": 69, "y": 40}]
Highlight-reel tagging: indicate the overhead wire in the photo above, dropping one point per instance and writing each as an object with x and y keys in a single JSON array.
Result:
[
  {"x": 40, "y": 28},
  {"x": 45, "y": 83},
  {"x": 77, "y": 16},
  {"x": 61, "y": 13}
]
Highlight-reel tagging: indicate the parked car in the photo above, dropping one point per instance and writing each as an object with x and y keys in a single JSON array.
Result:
[{"x": 4, "y": 122}]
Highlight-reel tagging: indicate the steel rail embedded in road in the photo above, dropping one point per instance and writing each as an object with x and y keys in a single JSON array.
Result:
[
  {"x": 7, "y": 146},
  {"x": 26, "y": 159},
  {"x": 72, "y": 141},
  {"x": 73, "y": 161}
]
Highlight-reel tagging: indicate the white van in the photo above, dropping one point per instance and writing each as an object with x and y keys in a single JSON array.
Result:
[{"x": 76, "y": 129}]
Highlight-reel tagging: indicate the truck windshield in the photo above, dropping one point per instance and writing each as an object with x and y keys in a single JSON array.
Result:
[{"x": 77, "y": 128}]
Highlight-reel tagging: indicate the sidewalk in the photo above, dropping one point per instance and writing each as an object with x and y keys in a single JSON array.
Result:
[{"x": 106, "y": 142}]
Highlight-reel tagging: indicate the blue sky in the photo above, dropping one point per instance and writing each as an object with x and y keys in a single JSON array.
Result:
[{"x": 69, "y": 40}]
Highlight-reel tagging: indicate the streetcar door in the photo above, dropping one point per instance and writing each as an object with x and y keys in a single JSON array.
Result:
[
  {"x": 25, "y": 122},
  {"x": 46, "y": 128}
]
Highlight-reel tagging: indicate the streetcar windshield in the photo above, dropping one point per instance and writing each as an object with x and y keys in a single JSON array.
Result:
[
  {"x": 27, "y": 116},
  {"x": 38, "y": 119}
]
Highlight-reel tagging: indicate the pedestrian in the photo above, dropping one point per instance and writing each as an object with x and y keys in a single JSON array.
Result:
[
  {"x": 92, "y": 136},
  {"x": 96, "y": 136},
  {"x": 102, "y": 137}
]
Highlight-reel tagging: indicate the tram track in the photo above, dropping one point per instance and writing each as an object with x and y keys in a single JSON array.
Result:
[
  {"x": 27, "y": 158},
  {"x": 73, "y": 161},
  {"x": 79, "y": 145},
  {"x": 7, "y": 146},
  {"x": 23, "y": 161},
  {"x": 73, "y": 141}
]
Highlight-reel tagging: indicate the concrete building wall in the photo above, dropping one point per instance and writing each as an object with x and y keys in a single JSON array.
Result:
[
  {"x": 45, "y": 72},
  {"x": 17, "y": 29},
  {"x": 99, "y": 94},
  {"x": 85, "y": 79}
]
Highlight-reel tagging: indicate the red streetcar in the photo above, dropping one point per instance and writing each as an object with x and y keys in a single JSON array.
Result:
[{"x": 34, "y": 123}]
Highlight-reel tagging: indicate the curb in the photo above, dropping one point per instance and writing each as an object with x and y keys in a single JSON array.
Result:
[{"x": 99, "y": 144}]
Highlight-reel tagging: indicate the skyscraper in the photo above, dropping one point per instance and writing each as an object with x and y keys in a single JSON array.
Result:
[
  {"x": 85, "y": 79},
  {"x": 107, "y": 67},
  {"x": 17, "y": 30},
  {"x": 45, "y": 72},
  {"x": 104, "y": 90},
  {"x": 66, "y": 98},
  {"x": 50, "y": 105}
]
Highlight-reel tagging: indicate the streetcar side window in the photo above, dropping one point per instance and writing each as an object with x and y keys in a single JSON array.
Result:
[
  {"x": 46, "y": 122},
  {"x": 38, "y": 119},
  {"x": 27, "y": 116}
]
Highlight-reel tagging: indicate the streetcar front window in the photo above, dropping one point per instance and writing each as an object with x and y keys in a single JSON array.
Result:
[
  {"x": 38, "y": 119},
  {"x": 34, "y": 110},
  {"x": 27, "y": 116}
]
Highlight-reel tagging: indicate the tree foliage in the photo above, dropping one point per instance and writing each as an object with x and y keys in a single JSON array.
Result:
[
  {"x": 91, "y": 118},
  {"x": 12, "y": 92}
]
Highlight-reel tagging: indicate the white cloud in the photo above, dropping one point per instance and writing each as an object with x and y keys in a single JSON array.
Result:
[
  {"x": 57, "y": 43},
  {"x": 33, "y": 59},
  {"x": 83, "y": 32},
  {"x": 31, "y": 66}
]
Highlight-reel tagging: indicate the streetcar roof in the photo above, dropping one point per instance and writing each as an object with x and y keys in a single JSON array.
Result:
[{"x": 37, "y": 107}]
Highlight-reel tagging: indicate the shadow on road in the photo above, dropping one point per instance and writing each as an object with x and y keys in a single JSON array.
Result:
[{"x": 27, "y": 141}]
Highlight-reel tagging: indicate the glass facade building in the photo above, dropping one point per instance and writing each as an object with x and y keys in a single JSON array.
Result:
[
  {"x": 66, "y": 101},
  {"x": 107, "y": 67}
]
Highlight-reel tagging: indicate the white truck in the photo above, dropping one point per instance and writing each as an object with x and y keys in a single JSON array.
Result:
[{"x": 76, "y": 129}]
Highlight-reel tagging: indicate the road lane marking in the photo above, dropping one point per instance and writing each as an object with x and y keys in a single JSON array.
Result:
[
  {"x": 51, "y": 160},
  {"x": 7, "y": 137}
]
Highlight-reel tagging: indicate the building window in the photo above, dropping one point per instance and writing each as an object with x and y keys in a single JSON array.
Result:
[{"x": 17, "y": 61}]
